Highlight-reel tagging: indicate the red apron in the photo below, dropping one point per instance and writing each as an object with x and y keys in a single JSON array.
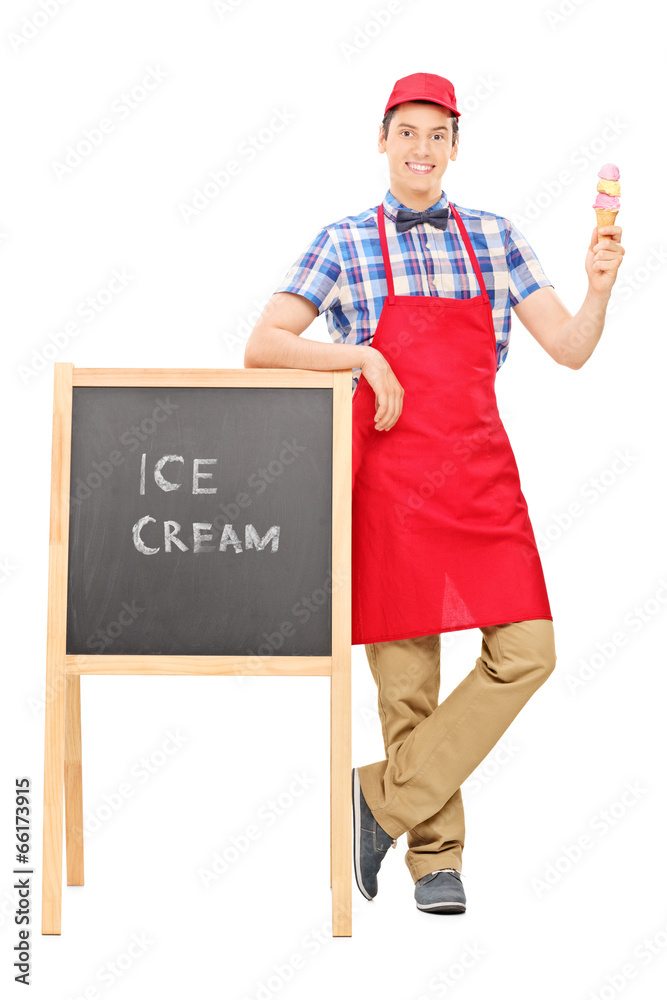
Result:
[{"x": 441, "y": 537}]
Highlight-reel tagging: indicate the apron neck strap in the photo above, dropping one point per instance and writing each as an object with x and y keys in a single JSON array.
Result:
[
  {"x": 466, "y": 239},
  {"x": 385, "y": 255},
  {"x": 471, "y": 252}
]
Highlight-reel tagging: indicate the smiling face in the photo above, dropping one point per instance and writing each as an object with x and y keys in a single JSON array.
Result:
[{"x": 419, "y": 148}]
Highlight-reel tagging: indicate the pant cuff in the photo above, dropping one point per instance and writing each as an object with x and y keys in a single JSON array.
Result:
[
  {"x": 371, "y": 790},
  {"x": 418, "y": 873}
]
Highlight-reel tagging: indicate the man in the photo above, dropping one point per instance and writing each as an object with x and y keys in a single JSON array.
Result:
[{"x": 417, "y": 292}]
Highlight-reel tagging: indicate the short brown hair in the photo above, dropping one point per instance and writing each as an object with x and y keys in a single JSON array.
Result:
[{"x": 390, "y": 114}]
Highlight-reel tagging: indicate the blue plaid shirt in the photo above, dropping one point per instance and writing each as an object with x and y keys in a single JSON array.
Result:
[{"x": 343, "y": 274}]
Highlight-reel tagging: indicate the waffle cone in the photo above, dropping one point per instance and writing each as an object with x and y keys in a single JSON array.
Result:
[{"x": 605, "y": 216}]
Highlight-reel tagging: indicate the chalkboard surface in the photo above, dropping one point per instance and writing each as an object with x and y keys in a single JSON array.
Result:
[{"x": 200, "y": 521}]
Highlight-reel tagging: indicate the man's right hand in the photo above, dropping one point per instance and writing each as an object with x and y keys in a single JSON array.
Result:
[{"x": 388, "y": 390}]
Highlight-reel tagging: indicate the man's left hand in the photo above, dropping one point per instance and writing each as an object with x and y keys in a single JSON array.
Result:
[{"x": 603, "y": 258}]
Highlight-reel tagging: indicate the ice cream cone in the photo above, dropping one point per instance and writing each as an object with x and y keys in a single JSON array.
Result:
[{"x": 605, "y": 217}]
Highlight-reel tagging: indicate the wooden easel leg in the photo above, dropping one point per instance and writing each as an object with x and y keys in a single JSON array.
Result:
[
  {"x": 54, "y": 760},
  {"x": 73, "y": 784},
  {"x": 56, "y": 627},
  {"x": 341, "y": 795}
]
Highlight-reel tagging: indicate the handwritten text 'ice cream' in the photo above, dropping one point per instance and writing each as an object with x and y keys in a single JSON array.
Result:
[{"x": 201, "y": 530}]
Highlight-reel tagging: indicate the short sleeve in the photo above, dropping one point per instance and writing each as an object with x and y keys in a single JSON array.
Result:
[
  {"x": 316, "y": 273},
  {"x": 525, "y": 271}
]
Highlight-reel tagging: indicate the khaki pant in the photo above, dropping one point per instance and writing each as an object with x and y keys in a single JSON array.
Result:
[{"x": 432, "y": 748}]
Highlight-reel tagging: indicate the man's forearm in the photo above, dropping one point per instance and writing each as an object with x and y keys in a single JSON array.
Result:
[
  {"x": 277, "y": 348},
  {"x": 578, "y": 336}
]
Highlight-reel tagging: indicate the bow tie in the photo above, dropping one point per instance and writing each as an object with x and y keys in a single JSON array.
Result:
[{"x": 405, "y": 219}]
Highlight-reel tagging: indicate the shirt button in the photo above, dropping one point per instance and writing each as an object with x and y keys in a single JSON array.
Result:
[{"x": 428, "y": 245}]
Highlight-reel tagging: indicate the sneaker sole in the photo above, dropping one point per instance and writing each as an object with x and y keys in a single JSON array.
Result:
[
  {"x": 442, "y": 907},
  {"x": 356, "y": 814}
]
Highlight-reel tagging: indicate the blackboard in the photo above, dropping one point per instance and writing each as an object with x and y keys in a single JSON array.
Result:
[{"x": 236, "y": 588}]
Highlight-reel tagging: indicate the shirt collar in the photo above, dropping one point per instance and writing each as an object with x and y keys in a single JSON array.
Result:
[{"x": 391, "y": 205}]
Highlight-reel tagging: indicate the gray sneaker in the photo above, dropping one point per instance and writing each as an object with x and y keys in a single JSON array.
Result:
[
  {"x": 441, "y": 891},
  {"x": 371, "y": 842}
]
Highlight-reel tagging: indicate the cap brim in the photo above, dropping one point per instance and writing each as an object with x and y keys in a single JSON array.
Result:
[{"x": 425, "y": 97}]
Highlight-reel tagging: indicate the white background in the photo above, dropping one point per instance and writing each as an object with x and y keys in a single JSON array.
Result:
[{"x": 543, "y": 93}]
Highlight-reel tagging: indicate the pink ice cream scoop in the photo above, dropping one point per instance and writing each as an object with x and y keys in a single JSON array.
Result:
[
  {"x": 608, "y": 201},
  {"x": 609, "y": 172}
]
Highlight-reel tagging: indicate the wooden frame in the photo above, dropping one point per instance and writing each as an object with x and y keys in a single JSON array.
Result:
[{"x": 62, "y": 739}]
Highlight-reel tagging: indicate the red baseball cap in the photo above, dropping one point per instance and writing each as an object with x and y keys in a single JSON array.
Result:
[{"x": 424, "y": 87}]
